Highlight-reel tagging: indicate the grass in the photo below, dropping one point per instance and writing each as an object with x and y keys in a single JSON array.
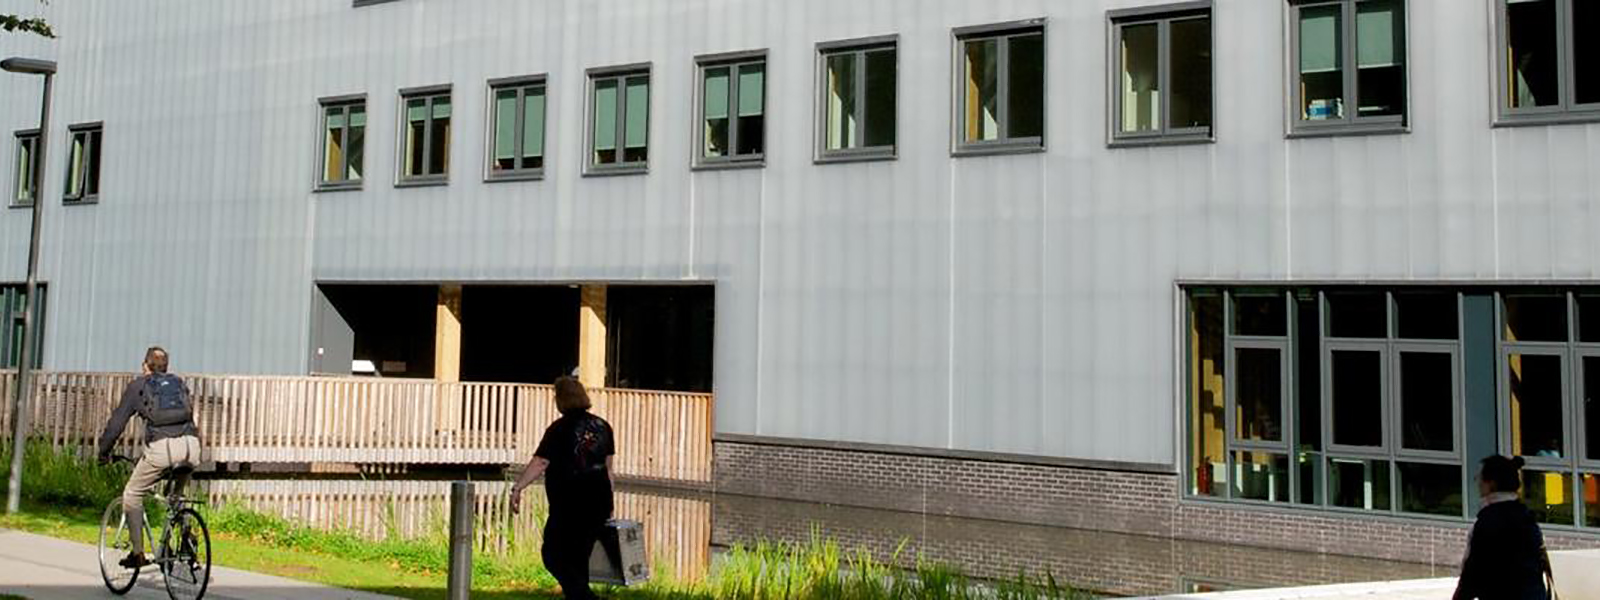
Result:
[{"x": 65, "y": 494}]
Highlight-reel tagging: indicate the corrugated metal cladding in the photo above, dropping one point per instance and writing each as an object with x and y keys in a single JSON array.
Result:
[{"x": 1016, "y": 303}]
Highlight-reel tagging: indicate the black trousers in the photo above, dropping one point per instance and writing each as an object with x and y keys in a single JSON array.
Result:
[{"x": 568, "y": 541}]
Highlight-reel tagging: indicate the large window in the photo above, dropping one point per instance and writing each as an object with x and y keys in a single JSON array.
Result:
[
  {"x": 858, "y": 101},
  {"x": 1549, "y": 60},
  {"x": 22, "y": 178},
  {"x": 83, "y": 164},
  {"x": 1000, "y": 88},
  {"x": 12, "y": 301},
  {"x": 425, "y": 135},
  {"x": 516, "y": 126},
  {"x": 1349, "y": 60},
  {"x": 732, "y": 109},
  {"x": 1161, "y": 71},
  {"x": 344, "y": 131},
  {"x": 619, "y": 120}
]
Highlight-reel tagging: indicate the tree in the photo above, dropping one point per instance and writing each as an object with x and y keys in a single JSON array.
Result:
[{"x": 37, "y": 25}]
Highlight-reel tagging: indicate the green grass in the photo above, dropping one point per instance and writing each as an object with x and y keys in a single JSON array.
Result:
[{"x": 64, "y": 495}]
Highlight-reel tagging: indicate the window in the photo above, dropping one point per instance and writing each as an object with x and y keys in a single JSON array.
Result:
[
  {"x": 425, "y": 137},
  {"x": 858, "y": 99},
  {"x": 516, "y": 123},
  {"x": 1549, "y": 66},
  {"x": 83, "y": 164},
  {"x": 619, "y": 120},
  {"x": 344, "y": 130},
  {"x": 1161, "y": 66},
  {"x": 1000, "y": 86},
  {"x": 1349, "y": 59},
  {"x": 22, "y": 183},
  {"x": 732, "y": 109},
  {"x": 13, "y": 300}
]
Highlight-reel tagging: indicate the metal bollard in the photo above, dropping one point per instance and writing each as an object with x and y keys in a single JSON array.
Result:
[{"x": 461, "y": 509}]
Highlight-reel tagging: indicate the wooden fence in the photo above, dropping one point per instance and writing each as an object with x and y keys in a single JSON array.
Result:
[{"x": 660, "y": 435}]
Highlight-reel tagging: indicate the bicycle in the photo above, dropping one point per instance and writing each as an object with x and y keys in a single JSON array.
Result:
[{"x": 185, "y": 564}]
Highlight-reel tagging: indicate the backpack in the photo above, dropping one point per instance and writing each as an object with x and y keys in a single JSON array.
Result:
[{"x": 166, "y": 401}]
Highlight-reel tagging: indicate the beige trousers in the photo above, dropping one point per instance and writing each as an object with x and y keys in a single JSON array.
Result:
[{"x": 158, "y": 457}]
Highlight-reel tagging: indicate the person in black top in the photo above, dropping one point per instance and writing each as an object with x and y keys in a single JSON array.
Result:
[
  {"x": 1505, "y": 557},
  {"x": 574, "y": 457}
]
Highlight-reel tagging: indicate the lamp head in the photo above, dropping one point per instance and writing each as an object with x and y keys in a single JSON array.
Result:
[{"x": 29, "y": 66}]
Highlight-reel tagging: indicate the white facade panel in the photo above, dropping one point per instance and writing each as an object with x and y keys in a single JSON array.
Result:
[{"x": 1017, "y": 303}]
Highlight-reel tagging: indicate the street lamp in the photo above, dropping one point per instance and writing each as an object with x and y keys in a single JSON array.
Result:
[{"x": 28, "y": 66}]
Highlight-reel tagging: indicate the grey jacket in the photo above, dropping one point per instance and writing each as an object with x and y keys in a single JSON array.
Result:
[{"x": 132, "y": 402}]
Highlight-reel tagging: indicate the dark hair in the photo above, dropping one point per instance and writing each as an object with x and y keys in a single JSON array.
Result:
[
  {"x": 570, "y": 396},
  {"x": 156, "y": 359},
  {"x": 1504, "y": 473}
]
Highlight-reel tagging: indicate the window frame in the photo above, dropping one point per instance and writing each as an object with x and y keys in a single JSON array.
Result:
[
  {"x": 858, "y": 48},
  {"x": 521, "y": 84},
  {"x": 361, "y": 3},
  {"x": 1005, "y": 144},
  {"x": 620, "y": 74},
  {"x": 1568, "y": 110},
  {"x": 1163, "y": 17},
  {"x": 93, "y": 154},
  {"x": 28, "y": 137},
  {"x": 734, "y": 62},
  {"x": 431, "y": 93},
  {"x": 321, "y": 182},
  {"x": 1352, "y": 123}
]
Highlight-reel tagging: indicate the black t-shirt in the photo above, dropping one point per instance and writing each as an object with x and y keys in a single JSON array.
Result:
[{"x": 577, "y": 481}]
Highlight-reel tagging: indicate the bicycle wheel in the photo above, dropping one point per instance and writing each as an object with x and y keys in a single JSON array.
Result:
[
  {"x": 114, "y": 545},
  {"x": 187, "y": 569}
]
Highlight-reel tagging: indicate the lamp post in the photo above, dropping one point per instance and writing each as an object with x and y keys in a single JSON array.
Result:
[{"x": 19, "y": 420}]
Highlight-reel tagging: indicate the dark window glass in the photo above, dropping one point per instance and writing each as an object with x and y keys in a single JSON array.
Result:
[
  {"x": 981, "y": 104},
  {"x": 1025, "y": 114},
  {"x": 1357, "y": 402},
  {"x": 1533, "y": 69},
  {"x": 1357, "y": 315},
  {"x": 752, "y": 109},
  {"x": 715, "y": 108},
  {"x": 1354, "y": 483},
  {"x": 1588, "y": 318},
  {"x": 1380, "y": 58},
  {"x": 1426, "y": 401},
  {"x": 1262, "y": 476},
  {"x": 1430, "y": 489},
  {"x": 1591, "y": 406},
  {"x": 880, "y": 117},
  {"x": 1535, "y": 383},
  {"x": 1259, "y": 379},
  {"x": 1426, "y": 316},
  {"x": 1191, "y": 73},
  {"x": 1259, "y": 315},
  {"x": 1536, "y": 318},
  {"x": 1310, "y": 466},
  {"x": 1308, "y": 357},
  {"x": 92, "y": 185},
  {"x": 1548, "y": 496},
  {"x": 1591, "y": 500},
  {"x": 1586, "y": 50},
  {"x": 1207, "y": 409},
  {"x": 1140, "y": 77}
]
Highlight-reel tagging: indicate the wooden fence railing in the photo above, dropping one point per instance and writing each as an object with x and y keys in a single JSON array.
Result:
[{"x": 660, "y": 435}]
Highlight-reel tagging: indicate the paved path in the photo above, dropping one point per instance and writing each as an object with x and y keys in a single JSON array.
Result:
[
  {"x": 1419, "y": 589},
  {"x": 45, "y": 568}
]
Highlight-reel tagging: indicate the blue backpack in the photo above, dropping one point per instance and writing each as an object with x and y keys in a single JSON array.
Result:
[{"x": 166, "y": 401}]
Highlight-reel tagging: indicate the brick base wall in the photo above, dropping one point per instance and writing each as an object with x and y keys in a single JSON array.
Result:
[{"x": 1145, "y": 504}]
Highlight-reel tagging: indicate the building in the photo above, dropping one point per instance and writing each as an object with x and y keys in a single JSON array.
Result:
[{"x": 1269, "y": 272}]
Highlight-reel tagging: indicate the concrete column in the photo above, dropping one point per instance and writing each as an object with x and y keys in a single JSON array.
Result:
[
  {"x": 592, "y": 335},
  {"x": 447, "y": 334}
]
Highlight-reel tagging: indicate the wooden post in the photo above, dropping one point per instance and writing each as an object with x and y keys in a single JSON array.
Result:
[
  {"x": 447, "y": 335},
  {"x": 592, "y": 336}
]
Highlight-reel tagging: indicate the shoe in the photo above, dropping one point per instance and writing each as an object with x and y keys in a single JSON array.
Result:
[{"x": 134, "y": 561}]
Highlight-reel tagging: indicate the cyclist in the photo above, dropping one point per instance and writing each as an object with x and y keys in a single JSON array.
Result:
[{"x": 171, "y": 441}]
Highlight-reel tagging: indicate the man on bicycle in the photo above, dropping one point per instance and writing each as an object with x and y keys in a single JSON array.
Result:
[{"x": 171, "y": 441}]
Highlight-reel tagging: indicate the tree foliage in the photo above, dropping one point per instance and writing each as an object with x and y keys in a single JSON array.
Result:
[{"x": 36, "y": 25}]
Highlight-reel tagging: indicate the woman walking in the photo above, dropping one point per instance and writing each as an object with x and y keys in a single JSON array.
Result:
[
  {"x": 574, "y": 457},
  {"x": 1505, "y": 550}
]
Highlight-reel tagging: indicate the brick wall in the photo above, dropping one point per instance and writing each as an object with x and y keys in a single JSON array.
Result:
[{"x": 1145, "y": 504}]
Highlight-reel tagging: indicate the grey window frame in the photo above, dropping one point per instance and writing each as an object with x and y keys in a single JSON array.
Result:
[
  {"x": 1232, "y": 445},
  {"x": 620, "y": 73},
  {"x": 93, "y": 155},
  {"x": 23, "y": 177},
  {"x": 361, "y": 3},
  {"x": 1004, "y": 144},
  {"x": 522, "y": 85},
  {"x": 346, "y": 102},
  {"x": 1352, "y": 123},
  {"x": 432, "y": 94},
  {"x": 858, "y": 48},
  {"x": 1385, "y": 408},
  {"x": 1163, "y": 17},
  {"x": 1568, "y": 110},
  {"x": 734, "y": 62}
]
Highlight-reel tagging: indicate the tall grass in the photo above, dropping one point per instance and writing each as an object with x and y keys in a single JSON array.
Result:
[{"x": 64, "y": 476}]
